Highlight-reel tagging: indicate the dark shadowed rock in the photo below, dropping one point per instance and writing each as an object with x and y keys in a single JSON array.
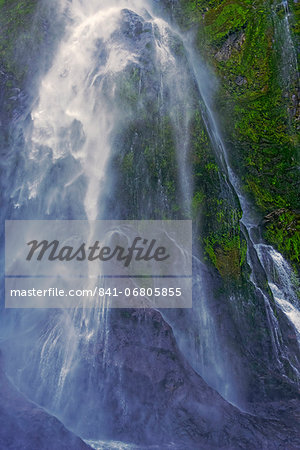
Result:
[
  {"x": 141, "y": 365},
  {"x": 24, "y": 425},
  {"x": 233, "y": 42}
]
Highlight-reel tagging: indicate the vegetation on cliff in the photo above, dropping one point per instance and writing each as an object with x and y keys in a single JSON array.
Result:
[
  {"x": 257, "y": 106},
  {"x": 15, "y": 21},
  {"x": 249, "y": 46},
  {"x": 257, "y": 111}
]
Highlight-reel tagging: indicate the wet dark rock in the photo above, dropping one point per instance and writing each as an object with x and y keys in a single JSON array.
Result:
[
  {"x": 275, "y": 215},
  {"x": 294, "y": 108},
  {"x": 135, "y": 30},
  {"x": 24, "y": 425},
  {"x": 233, "y": 42},
  {"x": 240, "y": 80},
  {"x": 132, "y": 24},
  {"x": 142, "y": 365}
]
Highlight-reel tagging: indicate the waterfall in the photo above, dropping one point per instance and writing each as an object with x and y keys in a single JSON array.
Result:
[
  {"x": 74, "y": 116},
  {"x": 269, "y": 259},
  {"x": 62, "y": 359},
  {"x": 285, "y": 44},
  {"x": 117, "y": 63}
]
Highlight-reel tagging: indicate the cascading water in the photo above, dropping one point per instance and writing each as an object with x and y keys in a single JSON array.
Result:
[
  {"x": 282, "y": 282},
  {"x": 68, "y": 147},
  {"x": 250, "y": 222},
  {"x": 75, "y": 112},
  {"x": 286, "y": 45}
]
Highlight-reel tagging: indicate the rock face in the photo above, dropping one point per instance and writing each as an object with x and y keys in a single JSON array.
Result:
[
  {"x": 153, "y": 94},
  {"x": 233, "y": 42},
  {"x": 136, "y": 385},
  {"x": 144, "y": 361},
  {"x": 24, "y": 425},
  {"x": 145, "y": 160}
]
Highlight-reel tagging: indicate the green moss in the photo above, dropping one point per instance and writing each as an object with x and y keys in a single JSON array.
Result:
[
  {"x": 214, "y": 208},
  {"x": 197, "y": 203},
  {"x": 284, "y": 232},
  {"x": 229, "y": 15},
  {"x": 241, "y": 39},
  {"x": 15, "y": 16},
  {"x": 128, "y": 164},
  {"x": 145, "y": 167},
  {"x": 128, "y": 87},
  {"x": 227, "y": 252}
]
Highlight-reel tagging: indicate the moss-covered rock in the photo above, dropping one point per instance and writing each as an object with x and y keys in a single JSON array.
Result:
[
  {"x": 215, "y": 207},
  {"x": 251, "y": 51},
  {"x": 282, "y": 228},
  {"x": 15, "y": 20}
]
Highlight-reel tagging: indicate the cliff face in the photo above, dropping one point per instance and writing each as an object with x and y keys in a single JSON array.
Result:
[
  {"x": 253, "y": 49},
  {"x": 25, "y": 425}
]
